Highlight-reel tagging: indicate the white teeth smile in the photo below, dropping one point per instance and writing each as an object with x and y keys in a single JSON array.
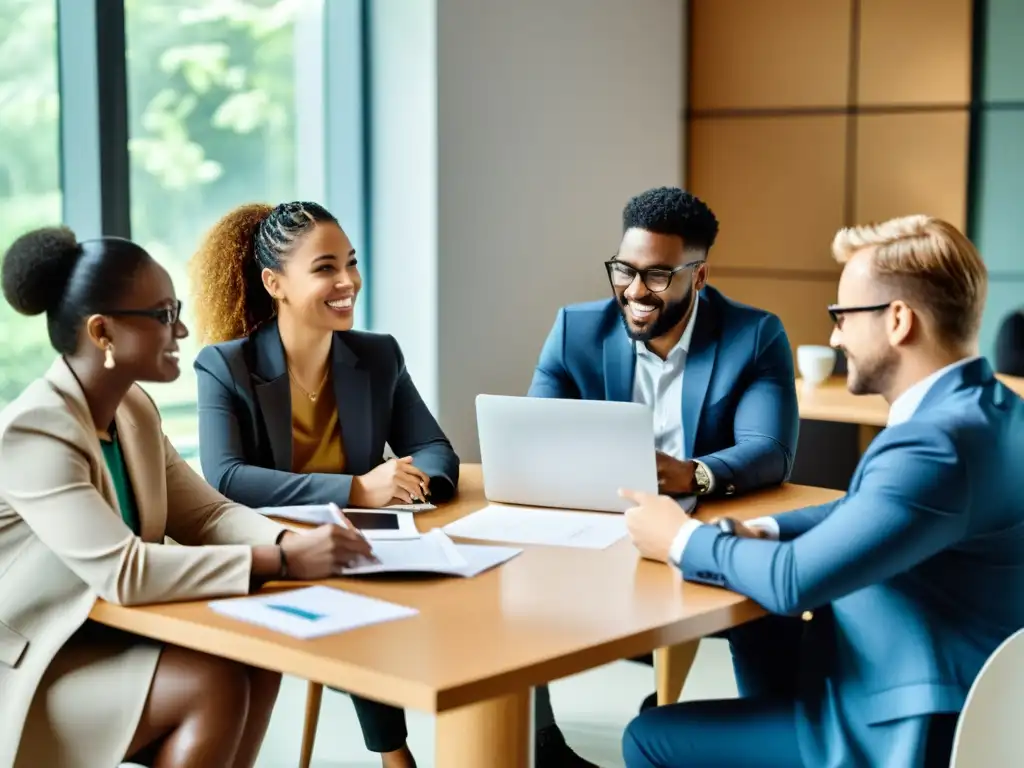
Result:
[
  {"x": 171, "y": 355},
  {"x": 640, "y": 311},
  {"x": 340, "y": 303}
]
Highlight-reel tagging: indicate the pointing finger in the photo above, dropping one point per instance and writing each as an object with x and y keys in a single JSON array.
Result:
[{"x": 637, "y": 497}]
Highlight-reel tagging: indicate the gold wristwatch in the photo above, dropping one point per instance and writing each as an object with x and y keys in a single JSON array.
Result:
[{"x": 702, "y": 478}]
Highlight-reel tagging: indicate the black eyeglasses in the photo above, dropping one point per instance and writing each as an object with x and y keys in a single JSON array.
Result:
[
  {"x": 657, "y": 279},
  {"x": 166, "y": 315},
  {"x": 837, "y": 312}
]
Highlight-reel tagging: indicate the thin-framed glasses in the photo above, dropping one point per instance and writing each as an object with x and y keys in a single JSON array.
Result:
[
  {"x": 836, "y": 312},
  {"x": 657, "y": 279},
  {"x": 165, "y": 315}
]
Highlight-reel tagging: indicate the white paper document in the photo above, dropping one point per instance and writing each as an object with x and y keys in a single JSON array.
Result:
[
  {"x": 532, "y": 525},
  {"x": 374, "y": 524},
  {"x": 483, "y": 557},
  {"x": 312, "y": 514},
  {"x": 312, "y": 611},
  {"x": 433, "y": 552}
]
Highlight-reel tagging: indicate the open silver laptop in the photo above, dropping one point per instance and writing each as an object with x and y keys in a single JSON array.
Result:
[{"x": 571, "y": 454}]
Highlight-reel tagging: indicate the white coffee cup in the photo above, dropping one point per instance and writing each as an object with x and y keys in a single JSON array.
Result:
[{"x": 815, "y": 363}]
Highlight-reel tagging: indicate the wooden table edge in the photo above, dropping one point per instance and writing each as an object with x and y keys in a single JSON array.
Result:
[
  {"x": 379, "y": 686},
  {"x": 824, "y": 414},
  {"x": 262, "y": 652},
  {"x": 619, "y": 649}
]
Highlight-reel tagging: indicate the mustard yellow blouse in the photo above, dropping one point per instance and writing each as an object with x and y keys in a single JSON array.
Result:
[{"x": 316, "y": 432}]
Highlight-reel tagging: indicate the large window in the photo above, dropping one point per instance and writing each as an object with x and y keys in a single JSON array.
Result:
[
  {"x": 29, "y": 167},
  {"x": 227, "y": 102},
  {"x": 212, "y": 124}
]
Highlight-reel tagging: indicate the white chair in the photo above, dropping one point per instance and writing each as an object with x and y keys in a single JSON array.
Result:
[{"x": 989, "y": 732}]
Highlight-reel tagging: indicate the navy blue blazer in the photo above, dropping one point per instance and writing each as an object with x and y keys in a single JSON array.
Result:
[
  {"x": 740, "y": 413},
  {"x": 919, "y": 568},
  {"x": 245, "y": 420}
]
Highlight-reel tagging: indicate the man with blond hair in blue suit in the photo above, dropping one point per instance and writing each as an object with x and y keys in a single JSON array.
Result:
[{"x": 908, "y": 583}]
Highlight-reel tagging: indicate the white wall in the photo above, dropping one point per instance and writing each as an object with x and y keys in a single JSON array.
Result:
[
  {"x": 402, "y": 274},
  {"x": 549, "y": 115}
]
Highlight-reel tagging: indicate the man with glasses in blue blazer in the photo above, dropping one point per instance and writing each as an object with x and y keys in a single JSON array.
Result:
[{"x": 718, "y": 375}]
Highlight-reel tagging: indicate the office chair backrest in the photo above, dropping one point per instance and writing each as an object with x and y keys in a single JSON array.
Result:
[
  {"x": 1010, "y": 345},
  {"x": 989, "y": 733}
]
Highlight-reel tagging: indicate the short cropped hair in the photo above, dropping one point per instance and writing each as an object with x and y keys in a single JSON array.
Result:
[
  {"x": 930, "y": 264},
  {"x": 672, "y": 211}
]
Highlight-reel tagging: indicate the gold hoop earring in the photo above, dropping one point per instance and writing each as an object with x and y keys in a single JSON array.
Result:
[{"x": 108, "y": 357}]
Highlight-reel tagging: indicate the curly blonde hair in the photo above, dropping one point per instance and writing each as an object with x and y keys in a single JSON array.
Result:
[{"x": 226, "y": 272}]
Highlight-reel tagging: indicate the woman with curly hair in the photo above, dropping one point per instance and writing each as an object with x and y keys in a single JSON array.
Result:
[{"x": 294, "y": 406}]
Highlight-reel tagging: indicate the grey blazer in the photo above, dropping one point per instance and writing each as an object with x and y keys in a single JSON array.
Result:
[{"x": 245, "y": 420}]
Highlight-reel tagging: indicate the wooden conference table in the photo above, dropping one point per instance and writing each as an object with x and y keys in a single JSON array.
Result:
[
  {"x": 832, "y": 401},
  {"x": 478, "y": 646}
]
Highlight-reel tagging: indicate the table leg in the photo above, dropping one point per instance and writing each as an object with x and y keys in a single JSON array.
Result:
[
  {"x": 865, "y": 434},
  {"x": 497, "y": 733},
  {"x": 671, "y": 666},
  {"x": 314, "y": 695}
]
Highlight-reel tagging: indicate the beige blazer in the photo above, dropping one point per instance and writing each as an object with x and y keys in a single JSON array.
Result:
[{"x": 63, "y": 544}]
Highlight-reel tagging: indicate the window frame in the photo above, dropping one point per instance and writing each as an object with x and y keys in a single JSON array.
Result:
[{"x": 331, "y": 115}]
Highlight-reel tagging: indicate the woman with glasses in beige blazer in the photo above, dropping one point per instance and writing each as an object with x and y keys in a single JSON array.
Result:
[{"x": 89, "y": 488}]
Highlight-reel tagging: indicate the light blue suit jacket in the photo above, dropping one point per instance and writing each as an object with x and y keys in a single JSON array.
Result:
[
  {"x": 740, "y": 414},
  {"x": 914, "y": 577}
]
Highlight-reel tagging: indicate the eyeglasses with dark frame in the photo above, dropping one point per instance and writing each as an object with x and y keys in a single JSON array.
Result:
[
  {"x": 656, "y": 279},
  {"x": 163, "y": 315},
  {"x": 836, "y": 312}
]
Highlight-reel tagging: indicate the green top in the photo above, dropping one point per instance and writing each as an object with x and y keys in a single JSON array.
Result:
[{"x": 122, "y": 483}]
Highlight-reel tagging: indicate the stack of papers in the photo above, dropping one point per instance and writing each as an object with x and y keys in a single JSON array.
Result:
[
  {"x": 534, "y": 525},
  {"x": 312, "y": 611},
  {"x": 433, "y": 552}
]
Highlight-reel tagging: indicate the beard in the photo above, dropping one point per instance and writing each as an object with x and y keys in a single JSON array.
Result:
[
  {"x": 870, "y": 375},
  {"x": 669, "y": 315}
]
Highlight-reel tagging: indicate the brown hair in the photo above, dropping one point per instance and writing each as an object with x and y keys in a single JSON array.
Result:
[
  {"x": 934, "y": 267},
  {"x": 226, "y": 271}
]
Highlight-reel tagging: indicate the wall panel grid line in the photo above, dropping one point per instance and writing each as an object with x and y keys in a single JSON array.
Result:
[
  {"x": 856, "y": 109},
  {"x": 859, "y": 113}
]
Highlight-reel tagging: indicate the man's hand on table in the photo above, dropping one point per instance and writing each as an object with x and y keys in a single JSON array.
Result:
[
  {"x": 653, "y": 523},
  {"x": 660, "y": 528}
]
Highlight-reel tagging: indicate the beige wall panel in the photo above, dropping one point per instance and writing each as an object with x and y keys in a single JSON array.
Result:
[
  {"x": 912, "y": 163},
  {"x": 769, "y": 53},
  {"x": 800, "y": 304},
  {"x": 915, "y": 52},
  {"x": 776, "y": 185}
]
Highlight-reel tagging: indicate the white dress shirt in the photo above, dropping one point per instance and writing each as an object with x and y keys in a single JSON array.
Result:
[
  {"x": 901, "y": 410},
  {"x": 658, "y": 384}
]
